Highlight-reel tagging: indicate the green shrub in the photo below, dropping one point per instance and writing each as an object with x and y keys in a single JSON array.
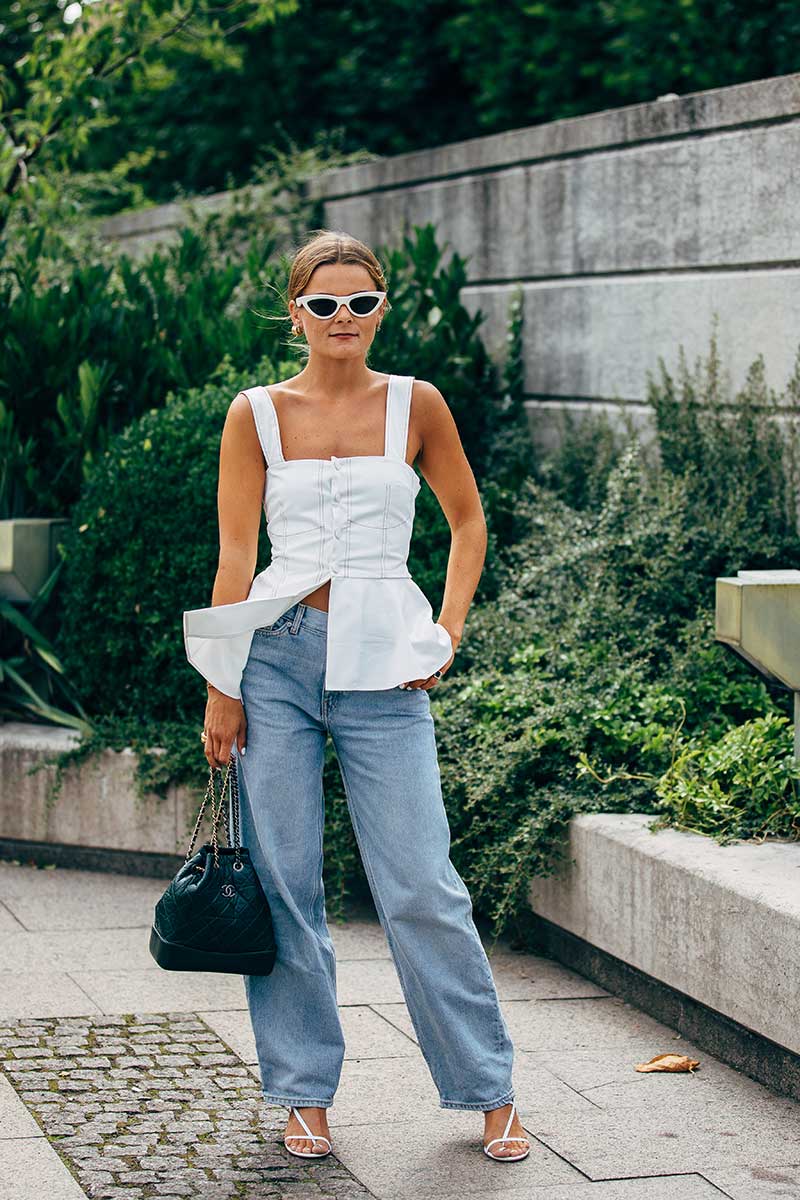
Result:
[
  {"x": 745, "y": 785},
  {"x": 142, "y": 546},
  {"x": 94, "y": 338},
  {"x": 593, "y": 681}
]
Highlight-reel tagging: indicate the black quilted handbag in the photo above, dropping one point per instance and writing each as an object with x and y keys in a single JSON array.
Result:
[{"x": 214, "y": 915}]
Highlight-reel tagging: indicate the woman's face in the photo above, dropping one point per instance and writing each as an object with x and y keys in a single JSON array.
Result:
[{"x": 343, "y": 335}]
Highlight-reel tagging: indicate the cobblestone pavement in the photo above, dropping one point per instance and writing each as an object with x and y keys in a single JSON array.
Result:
[
  {"x": 154, "y": 1104},
  {"x": 121, "y": 1080}
]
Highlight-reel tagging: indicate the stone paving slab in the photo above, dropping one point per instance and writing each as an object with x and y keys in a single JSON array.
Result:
[
  {"x": 58, "y": 899},
  {"x": 78, "y": 949},
  {"x": 8, "y": 922},
  {"x": 605, "y": 1074},
  {"x": 673, "y": 1187},
  {"x": 607, "y": 1145},
  {"x": 358, "y": 938},
  {"x": 15, "y": 1120},
  {"x": 593, "y": 1023},
  {"x": 530, "y": 977},
  {"x": 713, "y": 1083},
  {"x": 366, "y": 1034},
  {"x": 42, "y": 994},
  {"x": 757, "y": 1183},
  {"x": 157, "y": 990},
  {"x": 441, "y": 1154},
  {"x": 30, "y": 1170}
]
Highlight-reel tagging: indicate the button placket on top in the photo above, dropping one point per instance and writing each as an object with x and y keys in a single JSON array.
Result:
[{"x": 336, "y": 506}]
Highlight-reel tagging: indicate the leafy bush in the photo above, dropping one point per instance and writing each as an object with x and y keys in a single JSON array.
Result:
[
  {"x": 141, "y": 547},
  {"x": 590, "y": 654},
  {"x": 743, "y": 786},
  {"x": 593, "y": 681},
  {"x": 94, "y": 338}
]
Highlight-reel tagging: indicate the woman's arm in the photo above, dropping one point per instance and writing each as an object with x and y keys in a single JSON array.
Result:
[
  {"x": 444, "y": 465},
  {"x": 240, "y": 497}
]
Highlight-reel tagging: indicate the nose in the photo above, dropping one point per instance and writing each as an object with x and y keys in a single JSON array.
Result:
[{"x": 343, "y": 322}]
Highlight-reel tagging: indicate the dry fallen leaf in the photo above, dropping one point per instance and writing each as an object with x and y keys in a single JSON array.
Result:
[{"x": 669, "y": 1062}]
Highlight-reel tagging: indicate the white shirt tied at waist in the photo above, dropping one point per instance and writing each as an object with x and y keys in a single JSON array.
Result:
[{"x": 344, "y": 519}]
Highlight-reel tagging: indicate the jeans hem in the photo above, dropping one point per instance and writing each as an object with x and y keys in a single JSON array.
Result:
[
  {"x": 484, "y": 1105},
  {"x": 298, "y": 1102}
]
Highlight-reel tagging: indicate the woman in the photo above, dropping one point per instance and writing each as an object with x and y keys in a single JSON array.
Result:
[{"x": 335, "y": 637}]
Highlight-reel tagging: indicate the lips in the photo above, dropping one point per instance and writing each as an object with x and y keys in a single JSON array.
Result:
[{"x": 344, "y": 335}]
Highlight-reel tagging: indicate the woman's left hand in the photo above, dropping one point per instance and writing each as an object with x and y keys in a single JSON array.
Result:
[{"x": 432, "y": 680}]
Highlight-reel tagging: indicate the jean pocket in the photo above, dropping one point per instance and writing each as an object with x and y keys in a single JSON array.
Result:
[{"x": 277, "y": 628}]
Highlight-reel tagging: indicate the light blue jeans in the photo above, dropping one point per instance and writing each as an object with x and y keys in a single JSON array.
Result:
[{"x": 386, "y": 750}]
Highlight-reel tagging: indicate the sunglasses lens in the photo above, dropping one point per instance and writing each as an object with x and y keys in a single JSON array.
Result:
[
  {"x": 363, "y": 305},
  {"x": 321, "y": 307}
]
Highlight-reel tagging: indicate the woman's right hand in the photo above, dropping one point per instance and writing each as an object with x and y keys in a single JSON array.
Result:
[{"x": 225, "y": 723}]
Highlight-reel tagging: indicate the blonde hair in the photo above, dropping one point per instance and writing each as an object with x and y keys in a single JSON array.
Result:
[{"x": 331, "y": 246}]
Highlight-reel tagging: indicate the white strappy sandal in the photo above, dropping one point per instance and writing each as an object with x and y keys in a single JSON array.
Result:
[
  {"x": 505, "y": 1138},
  {"x": 314, "y": 1137}
]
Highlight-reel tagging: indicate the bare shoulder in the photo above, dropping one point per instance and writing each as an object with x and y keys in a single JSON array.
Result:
[
  {"x": 431, "y": 413},
  {"x": 429, "y": 409},
  {"x": 239, "y": 407},
  {"x": 240, "y": 431},
  {"x": 427, "y": 399}
]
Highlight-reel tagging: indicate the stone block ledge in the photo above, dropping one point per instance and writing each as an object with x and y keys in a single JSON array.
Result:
[
  {"x": 98, "y": 808},
  {"x": 720, "y": 924}
]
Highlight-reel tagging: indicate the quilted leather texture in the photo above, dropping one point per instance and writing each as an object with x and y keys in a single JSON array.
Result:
[{"x": 217, "y": 909}]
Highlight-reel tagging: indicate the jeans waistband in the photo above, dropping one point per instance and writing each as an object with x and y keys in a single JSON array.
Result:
[{"x": 306, "y": 614}]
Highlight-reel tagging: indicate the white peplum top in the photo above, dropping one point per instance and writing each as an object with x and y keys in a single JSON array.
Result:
[{"x": 344, "y": 519}]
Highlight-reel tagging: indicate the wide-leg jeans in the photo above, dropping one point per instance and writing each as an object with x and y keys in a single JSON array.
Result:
[{"x": 386, "y": 750}]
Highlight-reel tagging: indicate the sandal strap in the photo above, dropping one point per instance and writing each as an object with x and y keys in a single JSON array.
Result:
[
  {"x": 505, "y": 1137},
  {"x": 315, "y": 1137}
]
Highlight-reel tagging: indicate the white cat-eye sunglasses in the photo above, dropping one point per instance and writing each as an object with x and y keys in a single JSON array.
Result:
[{"x": 324, "y": 305}]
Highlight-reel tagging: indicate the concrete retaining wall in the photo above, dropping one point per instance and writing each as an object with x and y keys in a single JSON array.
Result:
[
  {"x": 627, "y": 231},
  {"x": 98, "y": 805},
  {"x": 719, "y": 923}
]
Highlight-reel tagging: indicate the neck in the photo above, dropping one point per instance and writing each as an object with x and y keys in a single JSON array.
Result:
[{"x": 336, "y": 380}]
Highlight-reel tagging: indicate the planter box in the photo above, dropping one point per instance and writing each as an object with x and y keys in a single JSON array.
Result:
[
  {"x": 720, "y": 924},
  {"x": 98, "y": 806}
]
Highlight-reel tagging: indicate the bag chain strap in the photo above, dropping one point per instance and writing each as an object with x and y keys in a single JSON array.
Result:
[{"x": 216, "y": 813}]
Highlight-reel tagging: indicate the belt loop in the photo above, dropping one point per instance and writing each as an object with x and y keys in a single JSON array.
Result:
[{"x": 298, "y": 617}]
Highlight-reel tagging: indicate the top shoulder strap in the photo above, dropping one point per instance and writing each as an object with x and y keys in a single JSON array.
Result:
[
  {"x": 266, "y": 420},
  {"x": 398, "y": 411}
]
